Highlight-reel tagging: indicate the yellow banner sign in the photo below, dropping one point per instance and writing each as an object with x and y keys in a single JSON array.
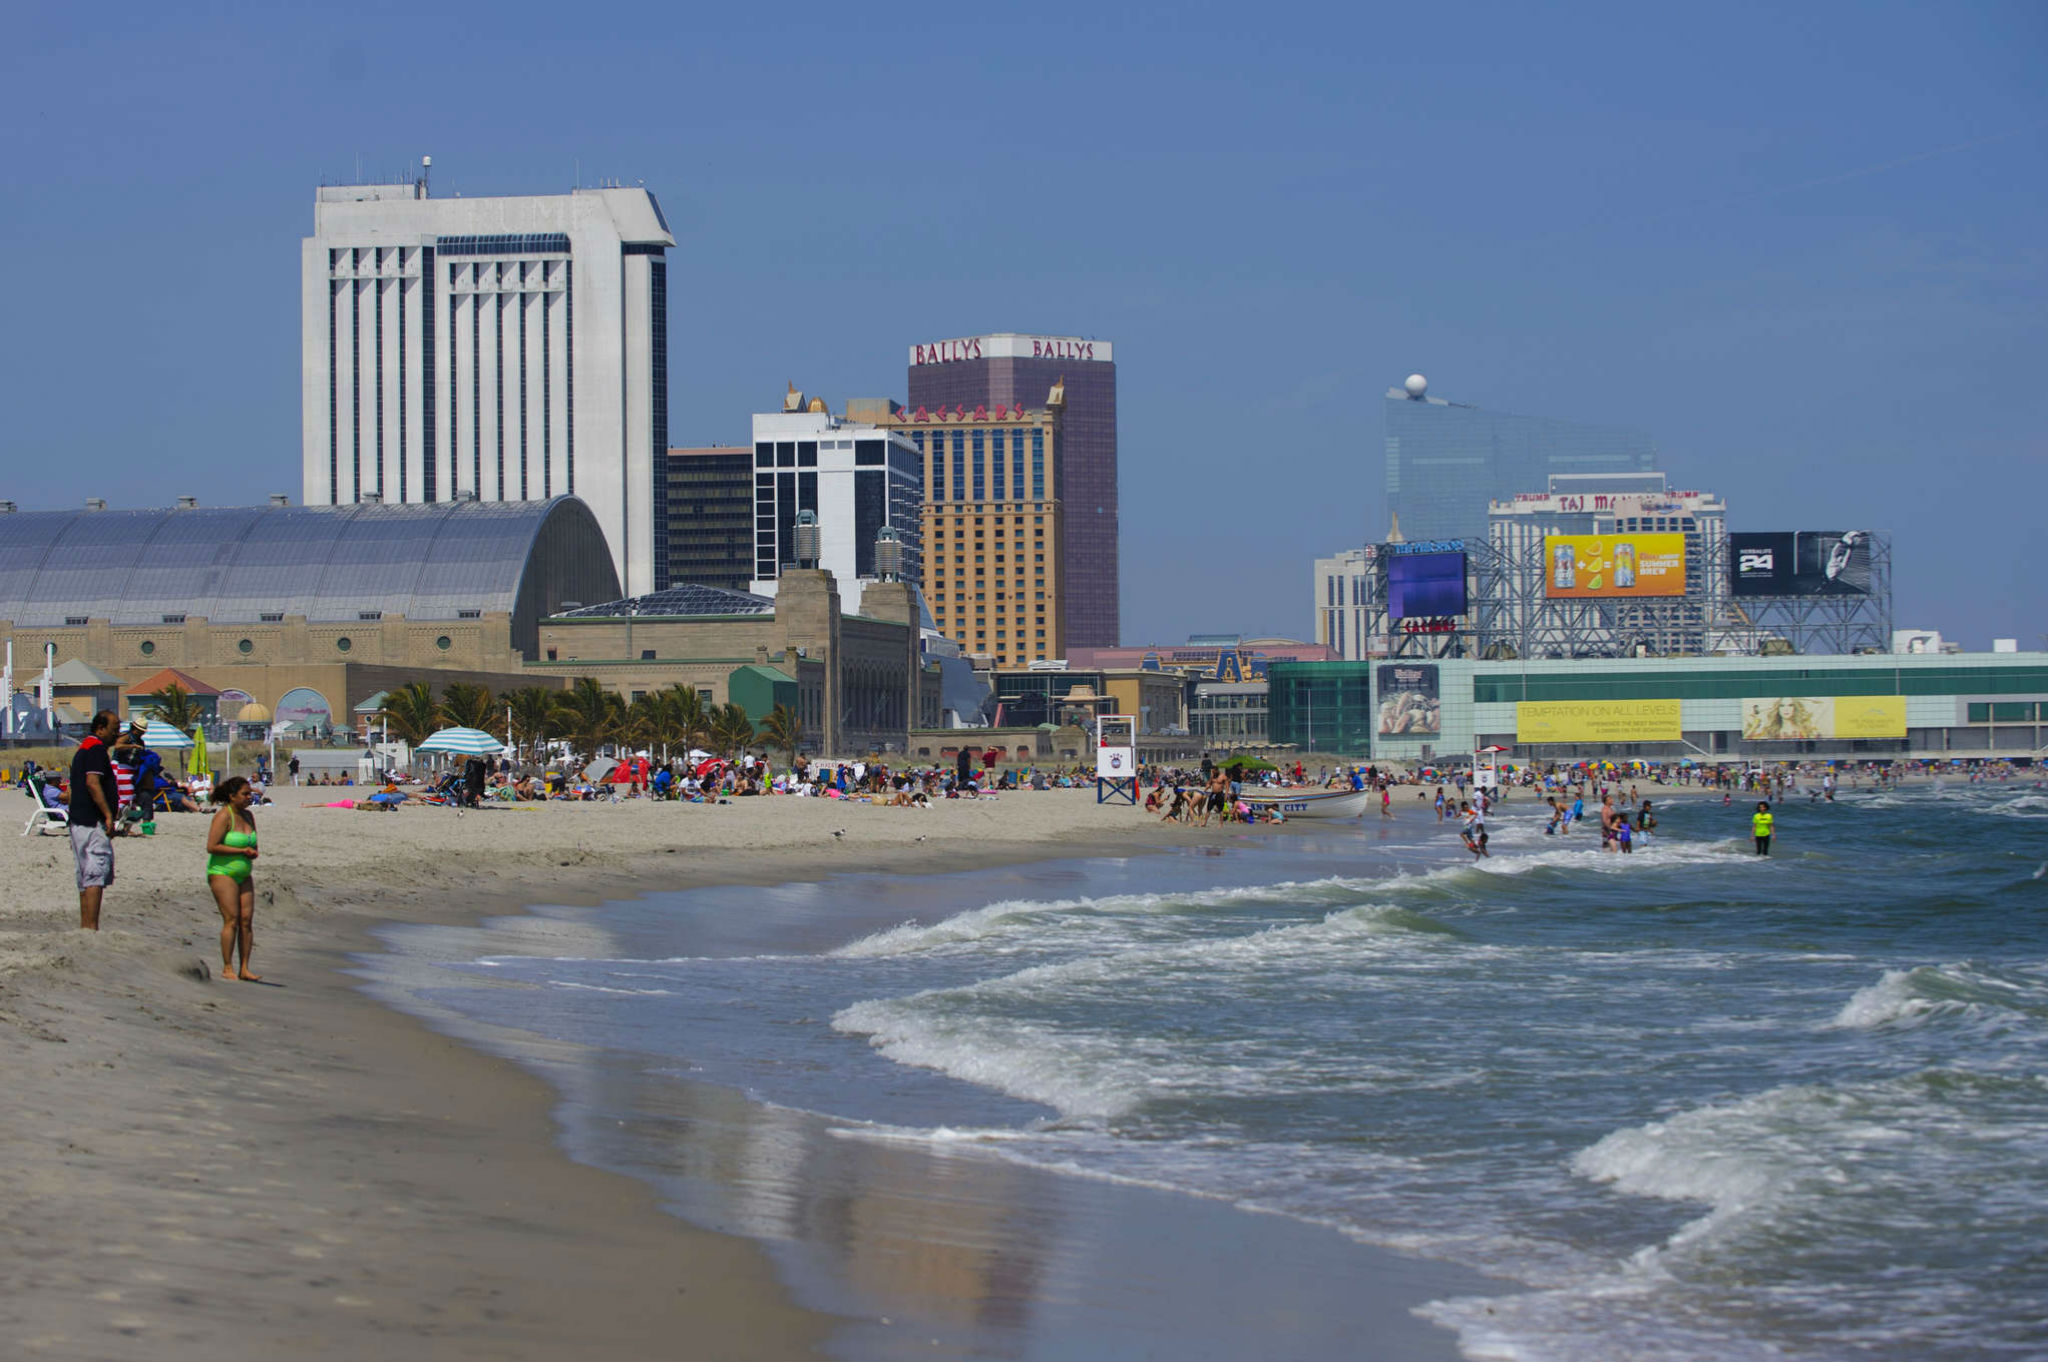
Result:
[
  {"x": 1595, "y": 721},
  {"x": 1806, "y": 718},
  {"x": 1613, "y": 566}
]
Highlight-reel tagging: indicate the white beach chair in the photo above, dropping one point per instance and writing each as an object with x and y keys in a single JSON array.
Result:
[{"x": 48, "y": 814}]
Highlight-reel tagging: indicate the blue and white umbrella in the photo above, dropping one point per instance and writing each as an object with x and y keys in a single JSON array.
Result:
[
  {"x": 467, "y": 742},
  {"x": 157, "y": 733}
]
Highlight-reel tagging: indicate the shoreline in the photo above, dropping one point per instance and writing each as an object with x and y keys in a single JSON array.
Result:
[{"x": 222, "y": 1169}]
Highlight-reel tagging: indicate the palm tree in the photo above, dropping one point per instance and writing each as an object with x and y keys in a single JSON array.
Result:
[
  {"x": 687, "y": 710},
  {"x": 732, "y": 728},
  {"x": 536, "y": 713},
  {"x": 783, "y": 728},
  {"x": 410, "y": 711},
  {"x": 591, "y": 716},
  {"x": 173, "y": 705},
  {"x": 468, "y": 705},
  {"x": 641, "y": 725}
]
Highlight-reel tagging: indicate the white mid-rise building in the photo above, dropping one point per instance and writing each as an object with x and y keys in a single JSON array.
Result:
[
  {"x": 505, "y": 349},
  {"x": 1349, "y": 616},
  {"x": 858, "y": 480}
]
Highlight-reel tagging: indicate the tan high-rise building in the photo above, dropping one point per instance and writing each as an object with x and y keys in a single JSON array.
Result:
[{"x": 994, "y": 526}]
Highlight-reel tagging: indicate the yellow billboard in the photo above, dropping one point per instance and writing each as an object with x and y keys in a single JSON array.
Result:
[
  {"x": 1613, "y": 566},
  {"x": 1596, "y": 721},
  {"x": 1805, "y": 718}
]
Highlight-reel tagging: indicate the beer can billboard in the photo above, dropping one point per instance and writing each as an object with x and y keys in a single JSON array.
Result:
[
  {"x": 1806, "y": 563},
  {"x": 1613, "y": 566}
]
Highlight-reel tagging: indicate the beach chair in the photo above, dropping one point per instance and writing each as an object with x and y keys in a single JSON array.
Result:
[{"x": 49, "y": 813}]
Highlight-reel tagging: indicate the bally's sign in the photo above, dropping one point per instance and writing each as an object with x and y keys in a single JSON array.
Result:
[{"x": 1008, "y": 346}]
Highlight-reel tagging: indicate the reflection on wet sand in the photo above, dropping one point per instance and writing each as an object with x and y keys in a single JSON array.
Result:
[
  {"x": 958, "y": 1241},
  {"x": 979, "y": 1255}
]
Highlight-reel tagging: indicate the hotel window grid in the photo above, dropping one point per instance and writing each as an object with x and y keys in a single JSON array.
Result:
[
  {"x": 657, "y": 282},
  {"x": 524, "y": 304},
  {"x": 355, "y": 395},
  {"x": 427, "y": 443}
]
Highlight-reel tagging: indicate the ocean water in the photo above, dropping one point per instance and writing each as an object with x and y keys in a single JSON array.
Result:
[{"x": 1686, "y": 1103}]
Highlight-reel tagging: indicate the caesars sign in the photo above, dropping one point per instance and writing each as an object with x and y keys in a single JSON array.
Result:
[
  {"x": 1613, "y": 566},
  {"x": 1596, "y": 721},
  {"x": 1011, "y": 347},
  {"x": 1409, "y": 699},
  {"x": 1804, "y": 718}
]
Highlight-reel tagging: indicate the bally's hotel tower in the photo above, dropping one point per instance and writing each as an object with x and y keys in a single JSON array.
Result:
[{"x": 491, "y": 349}]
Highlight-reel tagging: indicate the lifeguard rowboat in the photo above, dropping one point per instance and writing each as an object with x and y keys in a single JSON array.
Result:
[{"x": 1311, "y": 803}]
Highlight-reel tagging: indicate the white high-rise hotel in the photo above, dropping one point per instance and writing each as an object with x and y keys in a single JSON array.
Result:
[{"x": 506, "y": 349}]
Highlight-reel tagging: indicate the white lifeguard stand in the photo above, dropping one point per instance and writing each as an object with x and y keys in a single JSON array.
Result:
[
  {"x": 1486, "y": 769},
  {"x": 1116, "y": 759}
]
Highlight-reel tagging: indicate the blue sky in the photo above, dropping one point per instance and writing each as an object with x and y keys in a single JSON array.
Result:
[{"x": 1803, "y": 245}]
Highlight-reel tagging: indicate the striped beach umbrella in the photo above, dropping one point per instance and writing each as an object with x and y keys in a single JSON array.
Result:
[
  {"x": 156, "y": 733},
  {"x": 467, "y": 742}
]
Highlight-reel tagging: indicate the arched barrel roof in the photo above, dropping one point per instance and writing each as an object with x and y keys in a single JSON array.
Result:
[{"x": 235, "y": 564}]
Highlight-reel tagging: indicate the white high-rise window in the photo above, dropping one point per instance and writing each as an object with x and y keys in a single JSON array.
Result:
[{"x": 507, "y": 349}]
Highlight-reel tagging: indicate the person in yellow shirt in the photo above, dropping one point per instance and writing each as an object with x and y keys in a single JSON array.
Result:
[{"x": 1762, "y": 823}]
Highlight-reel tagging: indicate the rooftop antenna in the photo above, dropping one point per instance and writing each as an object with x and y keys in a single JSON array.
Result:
[{"x": 426, "y": 169}]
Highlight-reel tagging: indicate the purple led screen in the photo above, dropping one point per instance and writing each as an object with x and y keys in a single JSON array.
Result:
[{"x": 1420, "y": 584}]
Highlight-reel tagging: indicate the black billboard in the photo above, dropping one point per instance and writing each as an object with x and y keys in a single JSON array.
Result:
[{"x": 1802, "y": 563}]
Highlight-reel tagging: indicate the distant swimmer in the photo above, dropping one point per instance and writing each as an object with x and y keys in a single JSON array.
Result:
[{"x": 1762, "y": 824}]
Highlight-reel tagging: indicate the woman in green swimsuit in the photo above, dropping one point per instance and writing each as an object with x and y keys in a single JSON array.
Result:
[{"x": 230, "y": 873}]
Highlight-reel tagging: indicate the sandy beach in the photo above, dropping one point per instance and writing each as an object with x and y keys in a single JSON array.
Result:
[{"x": 212, "y": 1168}]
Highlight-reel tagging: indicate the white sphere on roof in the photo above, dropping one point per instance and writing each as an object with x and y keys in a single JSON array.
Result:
[{"x": 1416, "y": 385}]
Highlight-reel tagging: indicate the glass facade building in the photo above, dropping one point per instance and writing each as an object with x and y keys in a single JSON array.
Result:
[
  {"x": 1947, "y": 705},
  {"x": 710, "y": 509},
  {"x": 1019, "y": 371},
  {"x": 1445, "y": 461},
  {"x": 1321, "y": 706}
]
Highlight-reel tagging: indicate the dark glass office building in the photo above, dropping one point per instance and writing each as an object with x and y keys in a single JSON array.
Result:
[
  {"x": 1019, "y": 370},
  {"x": 710, "y": 512},
  {"x": 1446, "y": 460}
]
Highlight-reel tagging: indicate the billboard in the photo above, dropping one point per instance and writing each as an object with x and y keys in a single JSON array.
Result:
[
  {"x": 1410, "y": 700},
  {"x": 1596, "y": 721},
  {"x": 1799, "y": 718},
  {"x": 1613, "y": 566},
  {"x": 1805, "y": 563},
  {"x": 1425, "y": 584}
]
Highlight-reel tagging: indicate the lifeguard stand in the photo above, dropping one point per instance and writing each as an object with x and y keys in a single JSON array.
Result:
[
  {"x": 1116, "y": 759},
  {"x": 1486, "y": 769}
]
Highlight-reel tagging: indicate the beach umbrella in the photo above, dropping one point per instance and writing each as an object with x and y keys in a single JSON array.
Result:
[
  {"x": 157, "y": 733},
  {"x": 467, "y": 742},
  {"x": 200, "y": 765}
]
